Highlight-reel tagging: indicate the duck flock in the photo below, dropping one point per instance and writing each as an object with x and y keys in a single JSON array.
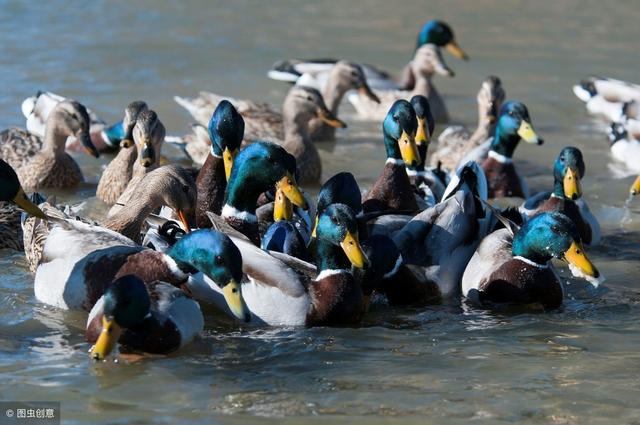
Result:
[{"x": 237, "y": 232}]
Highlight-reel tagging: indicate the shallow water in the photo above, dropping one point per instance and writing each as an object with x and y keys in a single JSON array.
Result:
[{"x": 441, "y": 365}]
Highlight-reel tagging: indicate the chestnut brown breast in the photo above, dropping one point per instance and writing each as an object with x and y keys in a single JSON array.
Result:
[
  {"x": 502, "y": 179},
  {"x": 392, "y": 191}
]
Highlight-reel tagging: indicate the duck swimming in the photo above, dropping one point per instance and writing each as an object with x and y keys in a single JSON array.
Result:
[
  {"x": 608, "y": 97},
  {"x": 456, "y": 141},
  {"x": 427, "y": 61},
  {"x": 624, "y": 148},
  {"x": 119, "y": 172},
  {"x": 566, "y": 198},
  {"x": 513, "y": 267},
  {"x": 314, "y": 72},
  {"x": 393, "y": 189},
  {"x": 44, "y": 163}
]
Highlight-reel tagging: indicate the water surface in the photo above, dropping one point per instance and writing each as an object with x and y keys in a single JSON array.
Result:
[{"x": 444, "y": 364}]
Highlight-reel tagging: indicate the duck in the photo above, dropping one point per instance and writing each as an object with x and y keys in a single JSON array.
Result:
[
  {"x": 154, "y": 318},
  {"x": 148, "y": 134},
  {"x": 426, "y": 62},
  {"x": 168, "y": 185},
  {"x": 456, "y": 141},
  {"x": 12, "y": 196},
  {"x": 291, "y": 130},
  {"x": 437, "y": 243},
  {"x": 36, "y": 110},
  {"x": 513, "y": 265},
  {"x": 256, "y": 169},
  {"x": 608, "y": 97},
  {"x": 393, "y": 189},
  {"x": 513, "y": 125},
  {"x": 624, "y": 148},
  {"x": 119, "y": 172},
  {"x": 43, "y": 163},
  {"x": 314, "y": 72},
  {"x": 428, "y": 183},
  {"x": 280, "y": 290},
  {"x": 226, "y": 130},
  {"x": 566, "y": 198}
]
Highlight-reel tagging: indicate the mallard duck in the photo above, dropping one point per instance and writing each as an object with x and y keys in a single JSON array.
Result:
[
  {"x": 226, "y": 129},
  {"x": 119, "y": 172},
  {"x": 608, "y": 97},
  {"x": 456, "y": 141},
  {"x": 393, "y": 190},
  {"x": 36, "y": 110},
  {"x": 513, "y": 267},
  {"x": 514, "y": 125},
  {"x": 429, "y": 185},
  {"x": 148, "y": 134},
  {"x": 624, "y": 148},
  {"x": 437, "y": 243},
  {"x": 314, "y": 72},
  {"x": 44, "y": 163},
  {"x": 284, "y": 291},
  {"x": 258, "y": 168},
  {"x": 12, "y": 195},
  {"x": 168, "y": 185},
  {"x": 301, "y": 105},
  {"x": 566, "y": 197},
  {"x": 155, "y": 318},
  {"x": 426, "y": 62}
]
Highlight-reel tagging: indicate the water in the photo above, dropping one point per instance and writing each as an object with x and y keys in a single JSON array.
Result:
[{"x": 444, "y": 364}]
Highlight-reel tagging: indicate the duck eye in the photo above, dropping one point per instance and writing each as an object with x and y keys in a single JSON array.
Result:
[
  {"x": 562, "y": 159},
  {"x": 186, "y": 189},
  {"x": 354, "y": 74},
  {"x": 219, "y": 260},
  {"x": 334, "y": 220},
  {"x": 309, "y": 98}
]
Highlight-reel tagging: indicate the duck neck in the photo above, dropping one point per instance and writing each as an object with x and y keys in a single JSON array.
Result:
[
  {"x": 129, "y": 219},
  {"x": 422, "y": 85},
  {"x": 330, "y": 257},
  {"x": 242, "y": 195},
  {"x": 504, "y": 144},
  {"x": 392, "y": 149},
  {"x": 55, "y": 136},
  {"x": 485, "y": 127},
  {"x": 333, "y": 93},
  {"x": 296, "y": 133},
  {"x": 558, "y": 188}
]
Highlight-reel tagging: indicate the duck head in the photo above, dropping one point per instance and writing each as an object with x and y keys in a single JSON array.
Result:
[
  {"x": 490, "y": 98},
  {"x": 352, "y": 77},
  {"x": 70, "y": 118},
  {"x": 428, "y": 61},
  {"x": 440, "y": 34},
  {"x": 399, "y": 130},
  {"x": 175, "y": 187},
  {"x": 304, "y": 103},
  {"x": 11, "y": 191},
  {"x": 226, "y": 130},
  {"x": 214, "y": 254},
  {"x": 148, "y": 133},
  {"x": 568, "y": 170},
  {"x": 337, "y": 245},
  {"x": 553, "y": 235},
  {"x": 514, "y": 125},
  {"x": 131, "y": 113},
  {"x": 126, "y": 304},
  {"x": 341, "y": 188},
  {"x": 426, "y": 126},
  {"x": 257, "y": 169}
]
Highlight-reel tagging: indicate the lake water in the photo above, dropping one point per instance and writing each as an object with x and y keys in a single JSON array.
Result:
[{"x": 444, "y": 364}]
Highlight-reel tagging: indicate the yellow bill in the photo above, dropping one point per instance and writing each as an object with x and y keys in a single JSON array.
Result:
[
  {"x": 28, "y": 206},
  {"x": 107, "y": 340},
  {"x": 353, "y": 250},
  {"x": 408, "y": 149},
  {"x": 635, "y": 187},
  {"x": 456, "y": 50},
  {"x": 288, "y": 186},
  {"x": 422, "y": 135},
  {"x": 227, "y": 157},
  {"x": 233, "y": 296},
  {"x": 575, "y": 255},
  {"x": 526, "y": 133},
  {"x": 282, "y": 207},
  {"x": 184, "y": 220},
  {"x": 571, "y": 184}
]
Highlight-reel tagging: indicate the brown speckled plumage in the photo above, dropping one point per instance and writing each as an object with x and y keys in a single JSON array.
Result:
[
  {"x": 10, "y": 231},
  {"x": 117, "y": 175}
]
